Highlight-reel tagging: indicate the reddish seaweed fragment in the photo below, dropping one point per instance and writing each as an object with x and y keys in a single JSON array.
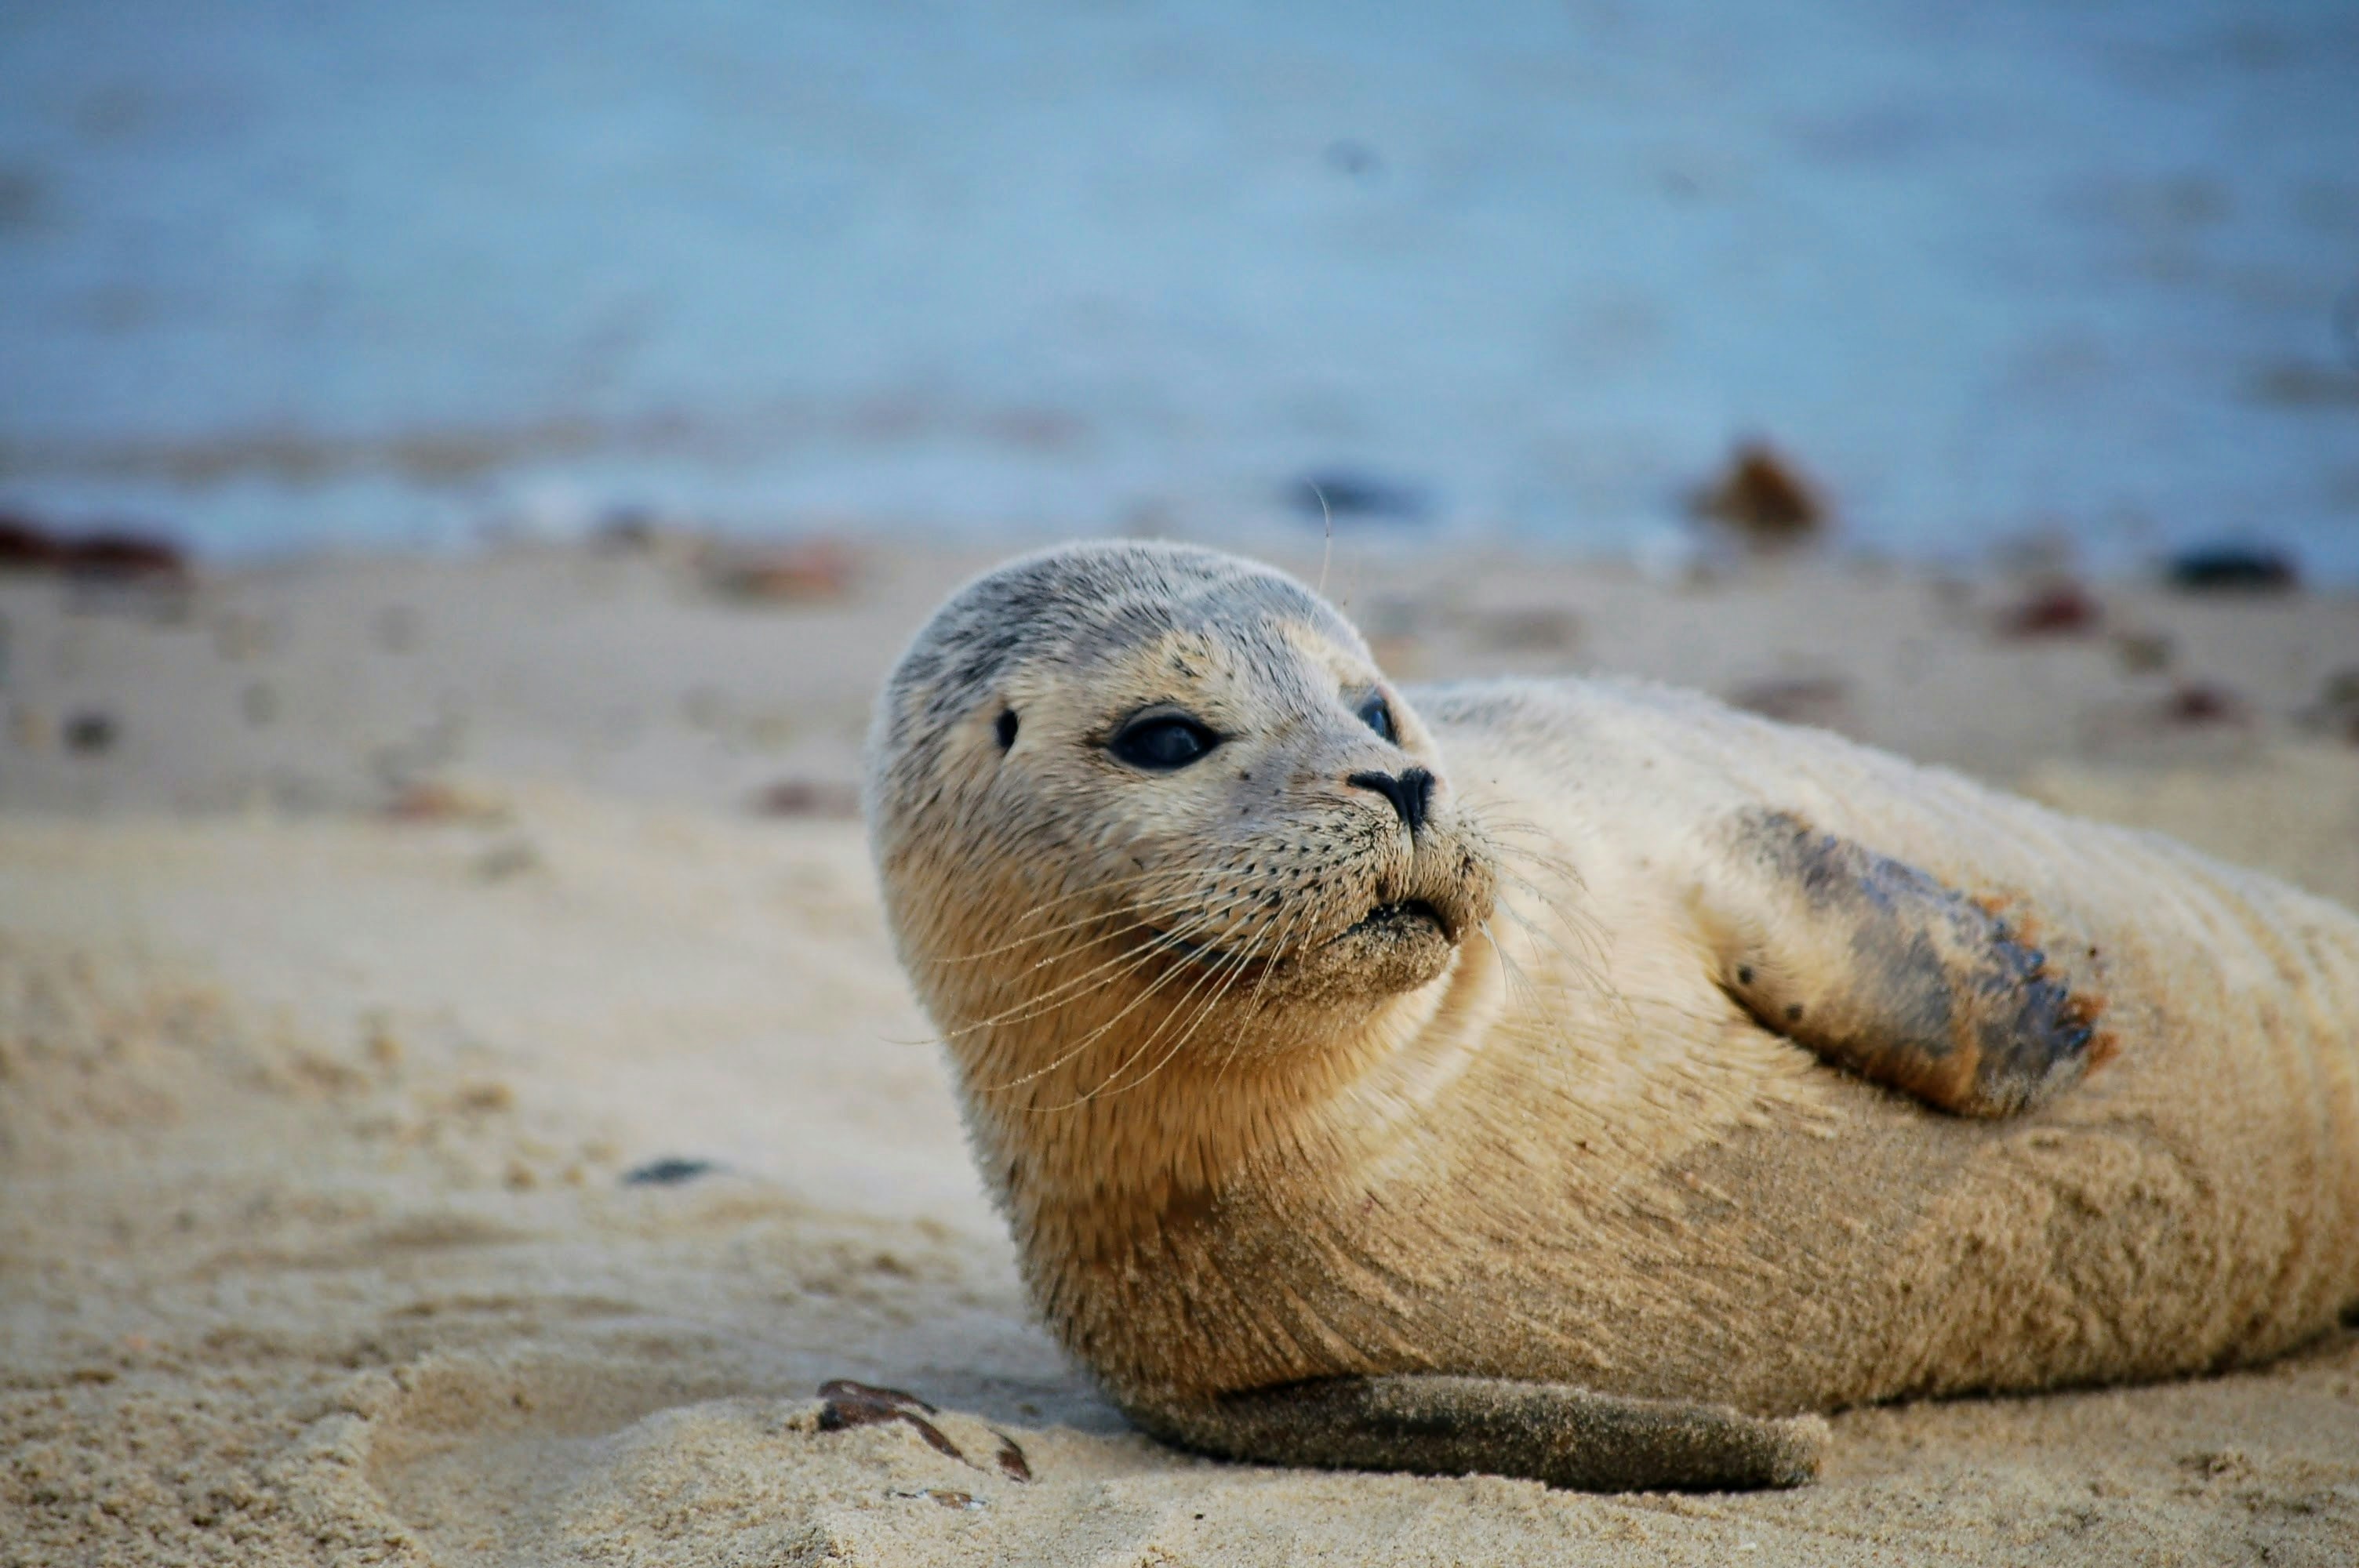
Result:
[{"x": 845, "y": 1404}]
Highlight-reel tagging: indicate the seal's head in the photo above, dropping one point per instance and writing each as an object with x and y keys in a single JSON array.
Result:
[{"x": 1138, "y": 805}]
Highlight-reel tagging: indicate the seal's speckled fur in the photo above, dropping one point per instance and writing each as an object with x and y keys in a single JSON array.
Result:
[{"x": 1469, "y": 1189}]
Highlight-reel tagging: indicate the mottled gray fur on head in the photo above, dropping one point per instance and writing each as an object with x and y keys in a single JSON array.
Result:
[{"x": 1079, "y": 603}]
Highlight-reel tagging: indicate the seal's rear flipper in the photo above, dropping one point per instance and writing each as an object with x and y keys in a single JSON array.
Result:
[
  {"x": 1543, "y": 1431},
  {"x": 1883, "y": 970}
]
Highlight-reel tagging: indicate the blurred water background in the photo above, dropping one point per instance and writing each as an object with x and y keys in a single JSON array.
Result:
[{"x": 282, "y": 276}]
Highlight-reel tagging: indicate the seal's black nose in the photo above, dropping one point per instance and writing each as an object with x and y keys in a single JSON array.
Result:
[{"x": 1409, "y": 792}]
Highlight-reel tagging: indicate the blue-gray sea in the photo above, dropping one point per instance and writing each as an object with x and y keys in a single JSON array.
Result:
[{"x": 280, "y": 275}]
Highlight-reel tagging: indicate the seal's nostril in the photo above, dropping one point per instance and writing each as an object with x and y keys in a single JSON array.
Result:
[
  {"x": 1418, "y": 785},
  {"x": 1410, "y": 792}
]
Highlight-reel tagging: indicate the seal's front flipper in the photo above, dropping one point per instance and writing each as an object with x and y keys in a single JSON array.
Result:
[
  {"x": 1543, "y": 1431},
  {"x": 1881, "y": 968}
]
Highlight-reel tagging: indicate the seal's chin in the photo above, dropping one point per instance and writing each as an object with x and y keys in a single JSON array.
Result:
[{"x": 1396, "y": 947}]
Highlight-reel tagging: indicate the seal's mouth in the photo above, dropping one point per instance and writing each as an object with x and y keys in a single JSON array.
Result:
[
  {"x": 1401, "y": 922},
  {"x": 1403, "y": 917}
]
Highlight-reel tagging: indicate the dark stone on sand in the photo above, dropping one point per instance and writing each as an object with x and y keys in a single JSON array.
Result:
[
  {"x": 89, "y": 733},
  {"x": 107, "y": 554},
  {"x": 626, "y": 530},
  {"x": 2059, "y": 610},
  {"x": 126, "y": 558},
  {"x": 2233, "y": 568},
  {"x": 24, "y": 546},
  {"x": 2144, "y": 653},
  {"x": 803, "y": 571},
  {"x": 1763, "y": 496},
  {"x": 1821, "y": 702},
  {"x": 807, "y": 797},
  {"x": 2196, "y": 703},
  {"x": 668, "y": 1172},
  {"x": 1351, "y": 494}
]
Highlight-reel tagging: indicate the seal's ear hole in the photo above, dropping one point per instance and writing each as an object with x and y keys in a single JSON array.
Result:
[{"x": 1006, "y": 727}]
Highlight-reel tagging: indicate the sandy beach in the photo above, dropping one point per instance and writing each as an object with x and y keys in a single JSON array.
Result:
[{"x": 458, "y": 1103}]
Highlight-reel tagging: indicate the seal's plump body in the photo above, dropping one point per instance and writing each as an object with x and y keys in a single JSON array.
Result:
[
  {"x": 1646, "y": 1049},
  {"x": 1645, "y": 1193}
]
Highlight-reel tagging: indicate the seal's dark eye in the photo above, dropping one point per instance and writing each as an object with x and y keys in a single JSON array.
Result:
[
  {"x": 1005, "y": 729},
  {"x": 1377, "y": 715},
  {"x": 1162, "y": 741}
]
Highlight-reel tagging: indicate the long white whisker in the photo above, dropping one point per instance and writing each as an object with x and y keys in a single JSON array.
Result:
[
  {"x": 1169, "y": 942},
  {"x": 1035, "y": 1006},
  {"x": 1038, "y": 909},
  {"x": 1196, "y": 983},
  {"x": 1294, "y": 918},
  {"x": 1235, "y": 968}
]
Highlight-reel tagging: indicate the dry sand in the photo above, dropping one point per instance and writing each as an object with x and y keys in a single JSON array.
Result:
[{"x": 398, "y": 910}]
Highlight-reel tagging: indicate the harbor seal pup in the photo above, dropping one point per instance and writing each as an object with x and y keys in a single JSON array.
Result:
[{"x": 1575, "y": 1079}]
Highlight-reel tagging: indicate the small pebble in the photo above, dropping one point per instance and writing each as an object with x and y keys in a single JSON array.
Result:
[
  {"x": 437, "y": 800},
  {"x": 1338, "y": 494},
  {"x": 809, "y": 571},
  {"x": 484, "y": 1099},
  {"x": 25, "y": 545},
  {"x": 2199, "y": 703},
  {"x": 110, "y": 554},
  {"x": 89, "y": 733},
  {"x": 2144, "y": 653},
  {"x": 2233, "y": 568},
  {"x": 666, "y": 1173},
  {"x": 122, "y": 556},
  {"x": 807, "y": 797},
  {"x": 2060, "y": 610},
  {"x": 1763, "y": 496},
  {"x": 1819, "y": 700},
  {"x": 626, "y": 530}
]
